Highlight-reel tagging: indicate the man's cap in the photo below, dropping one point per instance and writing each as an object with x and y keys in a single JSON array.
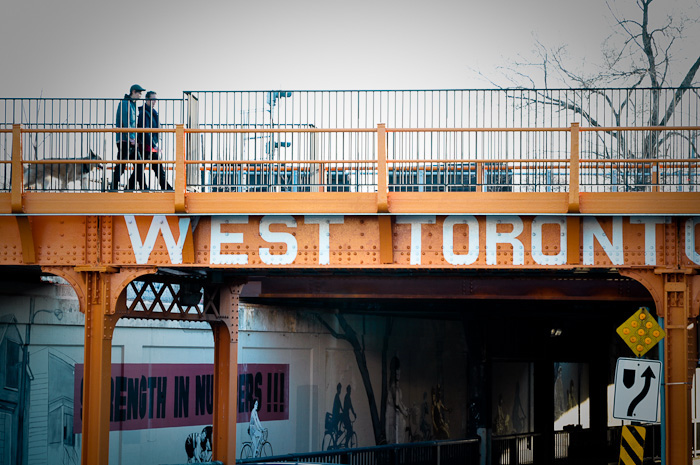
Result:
[{"x": 136, "y": 88}]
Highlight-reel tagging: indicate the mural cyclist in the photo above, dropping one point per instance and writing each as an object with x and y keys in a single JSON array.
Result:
[
  {"x": 347, "y": 409},
  {"x": 339, "y": 432},
  {"x": 258, "y": 434},
  {"x": 258, "y": 446}
]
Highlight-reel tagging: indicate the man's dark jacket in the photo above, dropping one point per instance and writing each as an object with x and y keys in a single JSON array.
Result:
[{"x": 148, "y": 118}]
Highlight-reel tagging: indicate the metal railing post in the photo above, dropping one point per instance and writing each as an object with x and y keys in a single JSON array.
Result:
[
  {"x": 17, "y": 170},
  {"x": 479, "y": 177},
  {"x": 180, "y": 182},
  {"x": 574, "y": 165},
  {"x": 382, "y": 173}
]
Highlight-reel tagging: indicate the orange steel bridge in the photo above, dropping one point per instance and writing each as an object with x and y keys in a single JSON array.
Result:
[{"x": 103, "y": 242}]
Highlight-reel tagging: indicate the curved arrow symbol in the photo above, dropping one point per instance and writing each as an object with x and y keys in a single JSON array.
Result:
[{"x": 647, "y": 375}]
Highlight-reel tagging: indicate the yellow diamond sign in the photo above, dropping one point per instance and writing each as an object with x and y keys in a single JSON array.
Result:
[{"x": 641, "y": 331}]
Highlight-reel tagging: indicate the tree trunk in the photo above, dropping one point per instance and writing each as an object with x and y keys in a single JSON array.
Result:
[{"x": 351, "y": 337}]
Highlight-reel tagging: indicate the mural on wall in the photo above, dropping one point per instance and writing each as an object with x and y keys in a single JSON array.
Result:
[
  {"x": 359, "y": 350},
  {"x": 441, "y": 427},
  {"x": 559, "y": 394},
  {"x": 396, "y": 412},
  {"x": 512, "y": 391},
  {"x": 198, "y": 446},
  {"x": 165, "y": 395},
  {"x": 571, "y": 405},
  {"x": 148, "y": 398},
  {"x": 422, "y": 422},
  {"x": 258, "y": 434},
  {"x": 426, "y": 418},
  {"x": 338, "y": 430},
  {"x": 268, "y": 383},
  {"x": 12, "y": 382},
  {"x": 519, "y": 416},
  {"x": 513, "y": 402},
  {"x": 513, "y": 423},
  {"x": 35, "y": 388},
  {"x": 410, "y": 406},
  {"x": 258, "y": 446}
]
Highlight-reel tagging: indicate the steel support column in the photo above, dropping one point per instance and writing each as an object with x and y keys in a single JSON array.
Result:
[
  {"x": 679, "y": 362},
  {"x": 672, "y": 291},
  {"x": 226, "y": 375},
  {"x": 99, "y": 292},
  {"x": 99, "y": 327}
]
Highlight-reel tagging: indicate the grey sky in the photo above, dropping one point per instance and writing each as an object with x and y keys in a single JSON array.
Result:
[{"x": 96, "y": 48}]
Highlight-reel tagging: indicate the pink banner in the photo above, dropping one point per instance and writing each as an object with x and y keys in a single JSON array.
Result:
[
  {"x": 144, "y": 396},
  {"x": 269, "y": 383}
]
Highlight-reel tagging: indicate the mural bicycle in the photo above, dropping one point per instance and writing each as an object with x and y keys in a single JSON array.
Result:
[
  {"x": 258, "y": 446},
  {"x": 339, "y": 433},
  {"x": 339, "y": 438},
  {"x": 264, "y": 449}
]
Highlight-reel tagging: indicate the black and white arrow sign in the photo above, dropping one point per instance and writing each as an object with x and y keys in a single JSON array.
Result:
[{"x": 637, "y": 384}]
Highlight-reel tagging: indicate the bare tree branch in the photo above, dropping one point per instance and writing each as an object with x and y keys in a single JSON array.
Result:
[
  {"x": 333, "y": 332},
  {"x": 687, "y": 82}
]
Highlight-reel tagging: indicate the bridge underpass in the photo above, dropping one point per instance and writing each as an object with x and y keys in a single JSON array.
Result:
[
  {"x": 509, "y": 320},
  {"x": 496, "y": 332},
  {"x": 508, "y": 311}
]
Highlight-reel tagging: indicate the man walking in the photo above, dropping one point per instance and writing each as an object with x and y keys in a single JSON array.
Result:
[
  {"x": 148, "y": 141},
  {"x": 126, "y": 142}
]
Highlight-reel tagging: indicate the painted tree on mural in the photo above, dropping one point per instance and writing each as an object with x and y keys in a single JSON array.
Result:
[
  {"x": 641, "y": 53},
  {"x": 348, "y": 334}
]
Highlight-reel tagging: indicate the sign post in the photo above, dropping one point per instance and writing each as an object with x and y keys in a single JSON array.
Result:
[
  {"x": 637, "y": 383},
  {"x": 632, "y": 445}
]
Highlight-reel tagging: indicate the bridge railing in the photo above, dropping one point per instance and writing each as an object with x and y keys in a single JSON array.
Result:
[
  {"x": 306, "y": 159},
  {"x": 641, "y": 159},
  {"x": 445, "y": 108},
  {"x": 444, "y": 452},
  {"x": 290, "y": 159}
]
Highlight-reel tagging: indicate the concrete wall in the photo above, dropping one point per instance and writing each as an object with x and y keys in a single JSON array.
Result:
[{"x": 431, "y": 353}]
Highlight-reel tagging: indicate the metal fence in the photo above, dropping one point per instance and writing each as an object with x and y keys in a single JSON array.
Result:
[
  {"x": 514, "y": 449},
  {"x": 298, "y": 159},
  {"x": 47, "y": 117},
  {"x": 327, "y": 164},
  {"x": 459, "y": 108},
  {"x": 574, "y": 446},
  {"x": 459, "y": 452},
  {"x": 437, "y": 140},
  {"x": 520, "y": 160},
  {"x": 640, "y": 159}
]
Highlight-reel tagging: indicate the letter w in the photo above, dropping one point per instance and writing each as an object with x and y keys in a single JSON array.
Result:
[{"x": 142, "y": 251}]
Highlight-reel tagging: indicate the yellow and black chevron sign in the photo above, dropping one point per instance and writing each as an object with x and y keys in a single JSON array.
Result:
[{"x": 632, "y": 445}]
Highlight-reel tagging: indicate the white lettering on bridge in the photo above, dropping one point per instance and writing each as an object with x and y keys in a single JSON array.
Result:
[{"x": 479, "y": 237}]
